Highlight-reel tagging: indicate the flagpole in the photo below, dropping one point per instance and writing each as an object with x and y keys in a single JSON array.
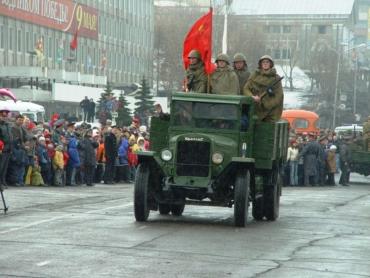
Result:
[
  {"x": 208, "y": 84},
  {"x": 208, "y": 75},
  {"x": 224, "y": 37}
]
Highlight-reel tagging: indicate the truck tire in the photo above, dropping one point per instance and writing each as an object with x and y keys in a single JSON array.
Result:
[
  {"x": 141, "y": 209},
  {"x": 241, "y": 198},
  {"x": 177, "y": 210},
  {"x": 257, "y": 208},
  {"x": 164, "y": 209},
  {"x": 272, "y": 198}
]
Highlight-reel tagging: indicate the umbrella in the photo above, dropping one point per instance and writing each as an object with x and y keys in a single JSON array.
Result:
[
  {"x": 7, "y": 93},
  {"x": 59, "y": 122}
]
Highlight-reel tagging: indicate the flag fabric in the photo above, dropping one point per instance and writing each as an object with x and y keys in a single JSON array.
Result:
[
  {"x": 199, "y": 37},
  {"x": 74, "y": 42}
]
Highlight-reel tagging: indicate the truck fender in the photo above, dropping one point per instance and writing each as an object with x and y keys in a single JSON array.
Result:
[{"x": 146, "y": 156}]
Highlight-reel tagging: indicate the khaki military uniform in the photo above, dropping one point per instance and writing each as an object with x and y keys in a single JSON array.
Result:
[
  {"x": 271, "y": 106},
  {"x": 243, "y": 76},
  {"x": 224, "y": 81},
  {"x": 196, "y": 78},
  {"x": 366, "y": 135}
]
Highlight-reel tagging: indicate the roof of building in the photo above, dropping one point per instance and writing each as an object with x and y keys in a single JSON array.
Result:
[{"x": 292, "y": 7}]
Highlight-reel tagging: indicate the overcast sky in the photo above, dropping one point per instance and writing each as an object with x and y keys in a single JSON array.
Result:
[{"x": 306, "y": 7}]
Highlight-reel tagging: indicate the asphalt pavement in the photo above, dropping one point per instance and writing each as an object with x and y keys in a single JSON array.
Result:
[{"x": 91, "y": 232}]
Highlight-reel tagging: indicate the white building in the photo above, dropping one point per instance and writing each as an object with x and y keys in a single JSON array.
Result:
[{"x": 114, "y": 42}]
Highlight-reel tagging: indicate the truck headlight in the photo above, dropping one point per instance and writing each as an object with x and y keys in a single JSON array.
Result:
[
  {"x": 217, "y": 158},
  {"x": 166, "y": 155}
]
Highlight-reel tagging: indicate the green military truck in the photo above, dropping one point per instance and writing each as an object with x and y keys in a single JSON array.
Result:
[
  {"x": 212, "y": 151},
  {"x": 359, "y": 156},
  {"x": 359, "y": 146},
  {"x": 360, "y": 162}
]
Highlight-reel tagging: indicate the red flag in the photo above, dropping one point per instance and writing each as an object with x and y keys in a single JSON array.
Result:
[
  {"x": 199, "y": 37},
  {"x": 74, "y": 42}
]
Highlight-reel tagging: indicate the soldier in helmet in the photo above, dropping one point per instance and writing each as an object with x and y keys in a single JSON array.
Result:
[
  {"x": 366, "y": 134},
  {"x": 196, "y": 78},
  {"x": 224, "y": 80},
  {"x": 268, "y": 99},
  {"x": 241, "y": 69}
]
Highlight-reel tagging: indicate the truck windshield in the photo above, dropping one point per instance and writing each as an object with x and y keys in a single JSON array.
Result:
[{"x": 205, "y": 115}]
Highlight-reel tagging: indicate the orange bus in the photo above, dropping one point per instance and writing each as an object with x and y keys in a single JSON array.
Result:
[{"x": 302, "y": 121}]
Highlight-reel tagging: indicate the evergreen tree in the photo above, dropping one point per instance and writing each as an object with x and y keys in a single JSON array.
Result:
[
  {"x": 102, "y": 113},
  {"x": 124, "y": 113},
  {"x": 144, "y": 103}
]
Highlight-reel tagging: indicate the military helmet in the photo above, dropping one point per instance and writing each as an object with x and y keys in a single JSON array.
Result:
[
  {"x": 222, "y": 57},
  {"x": 194, "y": 54},
  {"x": 266, "y": 57},
  {"x": 239, "y": 57}
]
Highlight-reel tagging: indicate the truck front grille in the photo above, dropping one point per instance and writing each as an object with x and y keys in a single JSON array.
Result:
[{"x": 192, "y": 158}]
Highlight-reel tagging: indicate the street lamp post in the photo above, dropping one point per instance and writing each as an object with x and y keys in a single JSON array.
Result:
[
  {"x": 355, "y": 87},
  {"x": 336, "y": 90},
  {"x": 337, "y": 81},
  {"x": 355, "y": 70}
]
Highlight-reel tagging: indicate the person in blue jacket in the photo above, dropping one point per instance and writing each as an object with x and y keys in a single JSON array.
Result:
[{"x": 73, "y": 161}]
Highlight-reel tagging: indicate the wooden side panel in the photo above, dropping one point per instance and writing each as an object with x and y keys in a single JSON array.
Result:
[
  {"x": 360, "y": 157},
  {"x": 264, "y": 149},
  {"x": 270, "y": 142}
]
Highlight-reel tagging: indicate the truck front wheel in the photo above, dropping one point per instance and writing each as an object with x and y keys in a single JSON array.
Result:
[
  {"x": 141, "y": 208},
  {"x": 241, "y": 195}
]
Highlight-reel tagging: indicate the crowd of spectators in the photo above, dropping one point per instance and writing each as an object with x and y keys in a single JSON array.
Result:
[
  {"x": 313, "y": 160},
  {"x": 60, "y": 153}
]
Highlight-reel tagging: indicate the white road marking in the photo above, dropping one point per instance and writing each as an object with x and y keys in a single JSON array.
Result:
[
  {"x": 60, "y": 217},
  {"x": 43, "y": 263}
]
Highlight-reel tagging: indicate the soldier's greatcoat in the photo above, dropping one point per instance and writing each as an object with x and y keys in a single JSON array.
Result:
[
  {"x": 271, "y": 106},
  {"x": 243, "y": 76},
  {"x": 311, "y": 154},
  {"x": 224, "y": 81},
  {"x": 196, "y": 78}
]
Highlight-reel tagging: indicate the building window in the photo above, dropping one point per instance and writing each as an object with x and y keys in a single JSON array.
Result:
[
  {"x": 2, "y": 36},
  {"x": 28, "y": 42},
  {"x": 10, "y": 39},
  {"x": 50, "y": 47},
  {"x": 277, "y": 54},
  {"x": 287, "y": 29},
  {"x": 322, "y": 29},
  {"x": 275, "y": 29},
  {"x": 19, "y": 40},
  {"x": 285, "y": 53}
]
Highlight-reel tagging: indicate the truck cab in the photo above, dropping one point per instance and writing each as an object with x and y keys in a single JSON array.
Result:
[{"x": 207, "y": 153}]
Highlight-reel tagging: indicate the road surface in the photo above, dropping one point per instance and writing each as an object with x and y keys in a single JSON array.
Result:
[{"x": 91, "y": 232}]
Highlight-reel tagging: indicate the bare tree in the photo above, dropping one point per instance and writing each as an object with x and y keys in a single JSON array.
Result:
[
  {"x": 248, "y": 38},
  {"x": 292, "y": 58},
  {"x": 171, "y": 27}
]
